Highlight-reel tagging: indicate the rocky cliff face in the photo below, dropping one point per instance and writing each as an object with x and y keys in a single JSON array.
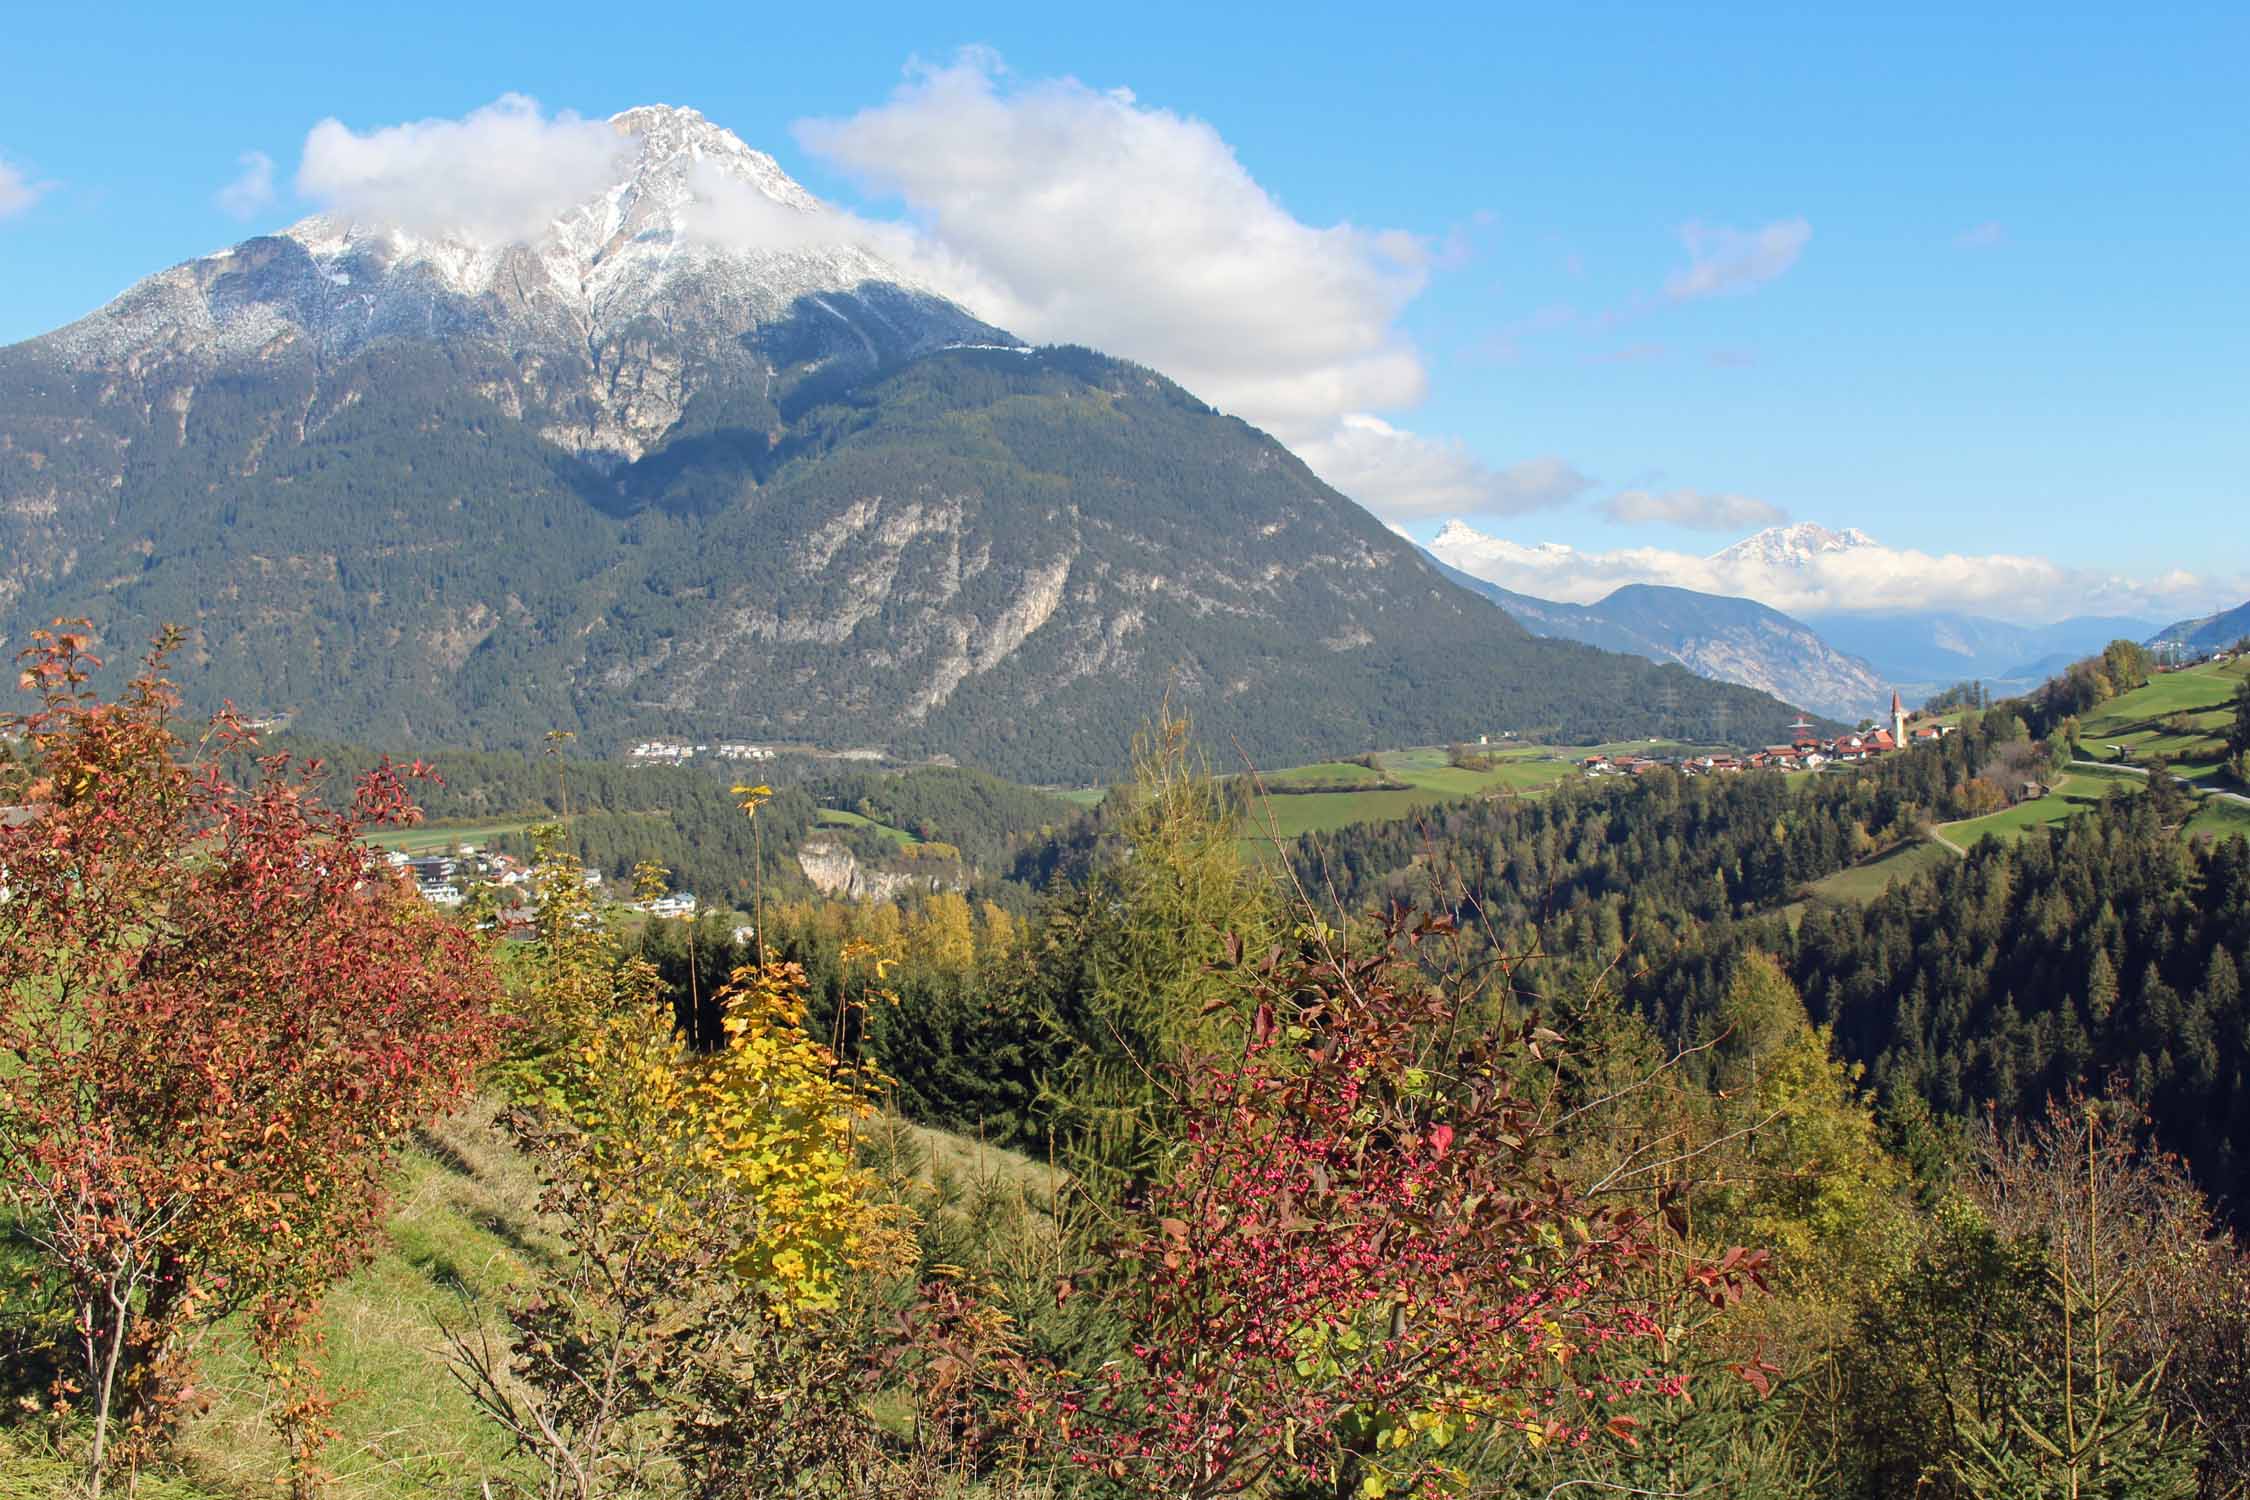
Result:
[{"x": 835, "y": 871}]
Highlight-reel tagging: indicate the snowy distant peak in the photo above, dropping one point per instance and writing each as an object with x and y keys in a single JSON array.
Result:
[
  {"x": 1793, "y": 546},
  {"x": 1462, "y": 545},
  {"x": 672, "y": 137},
  {"x": 671, "y": 168}
]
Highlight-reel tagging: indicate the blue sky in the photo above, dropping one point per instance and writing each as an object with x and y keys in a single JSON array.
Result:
[{"x": 1999, "y": 310}]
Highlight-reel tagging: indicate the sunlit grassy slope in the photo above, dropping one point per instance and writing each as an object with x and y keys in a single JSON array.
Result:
[
  {"x": 463, "y": 1232},
  {"x": 2143, "y": 720},
  {"x": 1863, "y": 883},
  {"x": 1401, "y": 783}
]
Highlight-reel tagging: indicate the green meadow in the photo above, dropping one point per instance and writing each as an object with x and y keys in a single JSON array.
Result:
[
  {"x": 1401, "y": 784},
  {"x": 2182, "y": 716},
  {"x": 436, "y": 838},
  {"x": 836, "y": 817},
  {"x": 1864, "y": 883}
]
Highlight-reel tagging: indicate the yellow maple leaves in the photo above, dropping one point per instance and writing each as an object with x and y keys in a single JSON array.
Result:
[{"x": 754, "y": 1136}]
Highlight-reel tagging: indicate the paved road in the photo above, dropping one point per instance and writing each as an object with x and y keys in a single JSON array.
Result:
[
  {"x": 2200, "y": 791},
  {"x": 2111, "y": 765}
]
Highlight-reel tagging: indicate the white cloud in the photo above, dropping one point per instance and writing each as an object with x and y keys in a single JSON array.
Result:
[
  {"x": 251, "y": 191},
  {"x": 1404, "y": 475},
  {"x": 17, "y": 192},
  {"x": 1064, "y": 212},
  {"x": 733, "y": 213},
  {"x": 1698, "y": 509},
  {"x": 498, "y": 175},
  {"x": 1861, "y": 578},
  {"x": 1985, "y": 236},
  {"x": 1723, "y": 260}
]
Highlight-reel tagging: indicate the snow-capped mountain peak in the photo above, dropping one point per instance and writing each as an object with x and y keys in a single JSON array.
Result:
[
  {"x": 680, "y": 258},
  {"x": 1792, "y": 546},
  {"x": 1462, "y": 545}
]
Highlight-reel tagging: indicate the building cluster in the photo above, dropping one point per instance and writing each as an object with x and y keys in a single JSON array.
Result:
[
  {"x": 679, "y": 752},
  {"x": 444, "y": 879},
  {"x": 1806, "y": 750},
  {"x": 671, "y": 904}
]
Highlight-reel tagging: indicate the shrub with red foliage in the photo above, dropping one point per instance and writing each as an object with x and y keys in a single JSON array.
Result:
[
  {"x": 220, "y": 1015},
  {"x": 1364, "y": 1267}
]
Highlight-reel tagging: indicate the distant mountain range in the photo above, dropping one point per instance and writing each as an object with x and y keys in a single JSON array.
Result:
[
  {"x": 1730, "y": 640},
  {"x": 635, "y": 478},
  {"x": 1936, "y": 648},
  {"x": 1846, "y": 663},
  {"x": 2211, "y": 633}
]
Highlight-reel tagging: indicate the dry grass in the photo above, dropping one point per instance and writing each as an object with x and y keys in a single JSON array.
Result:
[{"x": 464, "y": 1231}]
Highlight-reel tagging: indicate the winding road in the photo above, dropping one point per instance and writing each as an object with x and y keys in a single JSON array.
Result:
[{"x": 2142, "y": 771}]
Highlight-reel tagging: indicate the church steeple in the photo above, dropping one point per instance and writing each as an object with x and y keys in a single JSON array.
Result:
[{"x": 1898, "y": 720}]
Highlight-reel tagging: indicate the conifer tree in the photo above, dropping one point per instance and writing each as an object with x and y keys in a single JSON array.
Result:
[{"x": 2071, "y": 1421}]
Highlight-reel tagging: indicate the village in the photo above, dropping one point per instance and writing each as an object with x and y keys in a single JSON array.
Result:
[
  {"x": 680, "y": 752},
  {"x": 445, "y": 880},
  {"x": 1807, "y": 750}
]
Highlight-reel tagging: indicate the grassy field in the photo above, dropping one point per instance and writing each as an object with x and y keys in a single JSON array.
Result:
[
  {"x": 2220, "y": 819},
  {"x": 436, "y": 838},
  {"x": 1329, "y": 773},
  {"x": 465, "y": 1230},
  {"x": 2073, "y": 794},
  {"x": 2082, "y": 789},
  {"x": 1863, "y": 883},
  {"x": 2137, "y": 720},
  {"x": 1429, "y": 781},
  {"x": 836, "y": 817}
]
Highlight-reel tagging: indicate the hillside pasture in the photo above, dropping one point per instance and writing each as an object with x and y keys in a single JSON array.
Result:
[
  {"x": 2071, "y": 795},
  {"x": 1403, "y": 783},
  {"x": 837, "y": 817},
  {"x": 2220, "y": 818},
  {"x": 437, "y": 838},
  {"x": 1863, "y": 883},
  {"x": 2142, "y": 721},
  {"x": 1328, "y": 776}
]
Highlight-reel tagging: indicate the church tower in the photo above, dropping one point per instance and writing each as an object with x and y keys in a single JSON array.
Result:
[{"x": 1898, "y": 720}]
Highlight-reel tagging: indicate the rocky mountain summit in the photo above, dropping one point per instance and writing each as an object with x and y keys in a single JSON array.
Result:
[{"x": 703, "y": 262}]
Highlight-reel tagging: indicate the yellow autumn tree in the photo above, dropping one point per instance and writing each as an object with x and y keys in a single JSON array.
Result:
[
  {"x": 756, "y": 1135},
  {"x": 942, "y": 934},
  {"x": 708, "y": 1207},
  {"x": 1797, "y": 1165},
  {"x": 996, "y": 934}
]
